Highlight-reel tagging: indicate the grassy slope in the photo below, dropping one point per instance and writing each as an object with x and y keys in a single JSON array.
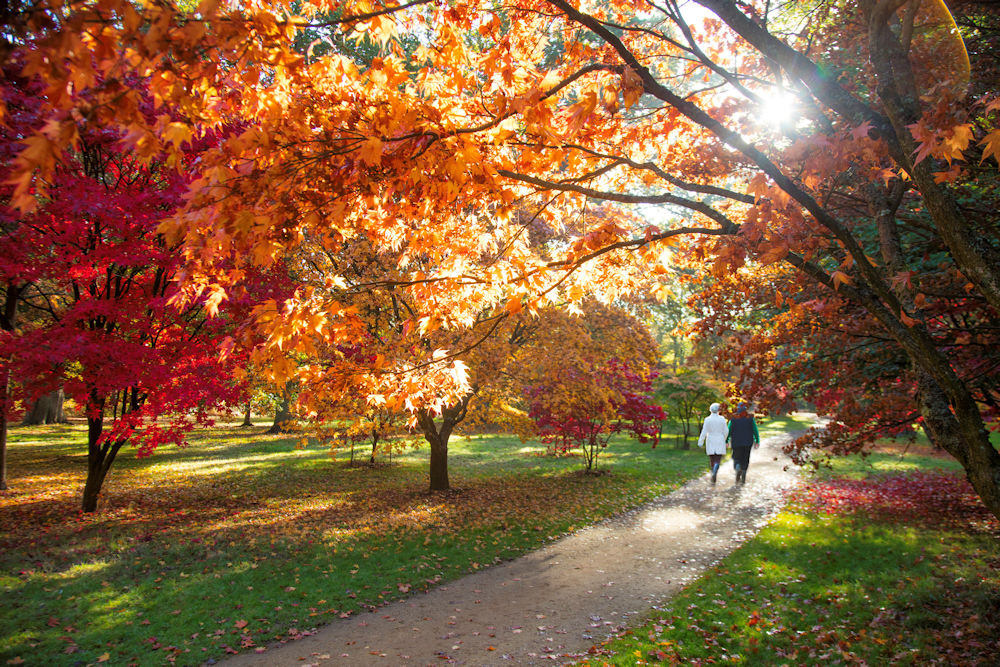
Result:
[{"x": 242, "y": 539}]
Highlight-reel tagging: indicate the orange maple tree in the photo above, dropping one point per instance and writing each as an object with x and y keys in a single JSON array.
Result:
[{"x": 501, "y": 118}]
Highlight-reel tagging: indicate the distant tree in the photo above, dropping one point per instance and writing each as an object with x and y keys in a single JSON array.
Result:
[
  {"x": 581, "y": 407},
  {"x": 283, "y": 414},
  {"x": 47, "y": 409},
  {"x": 686, "y": 396}
]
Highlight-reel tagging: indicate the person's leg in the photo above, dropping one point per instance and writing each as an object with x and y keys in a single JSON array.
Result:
[
  {"x": 745, "y": 465},
  {"x": 714, "y": 461},
  {"x": 741, "y": 459}
]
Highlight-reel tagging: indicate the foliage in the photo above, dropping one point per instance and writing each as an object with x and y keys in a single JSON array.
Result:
[
  {"x": 804, "y": 590},
  {"x": 97, "y": 279},
  {"x": 582, "y": 408},
  {"x": 234, "y": 543},
  {"x": 686, "y": 397},
  {"x": 378, "y": 428}
]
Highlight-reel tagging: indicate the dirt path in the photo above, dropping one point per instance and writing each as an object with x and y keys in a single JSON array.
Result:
[{"x": 553, "y": 604}]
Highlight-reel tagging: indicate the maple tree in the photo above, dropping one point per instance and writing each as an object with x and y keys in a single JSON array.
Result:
[
  {"x": 382, "y": 430},
  {"x": 89, "y": 266},
  {"x": 583, "y": 406},
  {"x": 591, "y": 380},
  {"x": 547, "y": 107}
]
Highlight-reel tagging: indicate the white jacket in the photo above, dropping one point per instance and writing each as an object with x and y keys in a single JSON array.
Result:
[{"x": 713, "y": 434}]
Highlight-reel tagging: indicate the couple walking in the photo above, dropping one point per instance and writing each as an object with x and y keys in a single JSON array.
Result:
[{"x": 740, "y": 431}]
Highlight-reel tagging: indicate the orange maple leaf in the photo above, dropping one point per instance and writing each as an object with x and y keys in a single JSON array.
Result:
[
  {"x": 840, "y": 278},
  {"x": 758, "y": 186},
  {"x": 371, "y": 151},
  {"x": 991, "y": 143}
]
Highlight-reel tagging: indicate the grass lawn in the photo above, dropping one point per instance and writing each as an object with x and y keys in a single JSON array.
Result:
[
  {"x": 889, "y": 560},
  {"x": 242, "y": 539}
]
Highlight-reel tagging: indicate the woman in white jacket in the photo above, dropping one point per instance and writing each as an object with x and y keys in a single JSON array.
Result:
[{"x": 713, "y": 438}]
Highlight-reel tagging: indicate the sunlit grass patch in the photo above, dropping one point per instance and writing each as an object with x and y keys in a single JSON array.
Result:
[
  {"x": 857, "y": 466},
  {"x": 769, "y": 426}
]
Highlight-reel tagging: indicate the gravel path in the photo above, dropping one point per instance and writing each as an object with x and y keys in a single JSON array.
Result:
[{"x": 553, "y": 604}]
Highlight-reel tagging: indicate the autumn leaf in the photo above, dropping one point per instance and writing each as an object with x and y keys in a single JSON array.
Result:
[
  {"x": 956, "y": 141},
  {"x": 991, "y": 146},
  {"x": 371, "y": 151},
  {"x": 758, "y": 186},
  {"x": 840, "y": 278},
  {"x": 632, "y": 87},
  {"x": 861, "y": 131},
  {"x": 177, "y": 133},
  {"x": 580, "y": 112}
]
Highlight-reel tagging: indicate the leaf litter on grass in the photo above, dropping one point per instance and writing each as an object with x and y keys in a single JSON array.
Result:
[{"x": 281, "y": 544}]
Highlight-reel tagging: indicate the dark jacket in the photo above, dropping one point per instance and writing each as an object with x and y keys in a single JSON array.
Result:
[{"x": 743, "y": 431}]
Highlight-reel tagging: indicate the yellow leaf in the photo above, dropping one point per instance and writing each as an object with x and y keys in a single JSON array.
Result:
[
  {"x": 104, "y": 657},
  {"x": 177, "y": 133},
  {"x": 213, "y": 301},
  {"x": 959, "y": 140}
]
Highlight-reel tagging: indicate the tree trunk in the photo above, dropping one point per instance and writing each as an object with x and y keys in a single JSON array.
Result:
[
  {"x": 981, "y": 462},
  {"x": 48, "y": 409},
  {"x": 974, "y": 254},
  {"x": 100, "y": 456},
  {"x": 284, "y": 411},
  {"x": 246, "y": 415},
  {"x": 8, "y": 322},
  {"x": 437, "y": 435},
  {"x": 371, "y": 459},
  {"x": 4, "y": 396}
]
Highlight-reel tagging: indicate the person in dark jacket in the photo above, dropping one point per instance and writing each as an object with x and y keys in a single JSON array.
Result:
[{"x": 743, "y": 436}]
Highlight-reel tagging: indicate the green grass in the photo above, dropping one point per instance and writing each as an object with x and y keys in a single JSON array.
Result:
[
  {"x": 241, "y": 539},
  {"x": 852, "y": 588},
  {"x": 815, "y": 590},
  {"x": 771, "y": 426},
  {"x": 856, "y": 466}
]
